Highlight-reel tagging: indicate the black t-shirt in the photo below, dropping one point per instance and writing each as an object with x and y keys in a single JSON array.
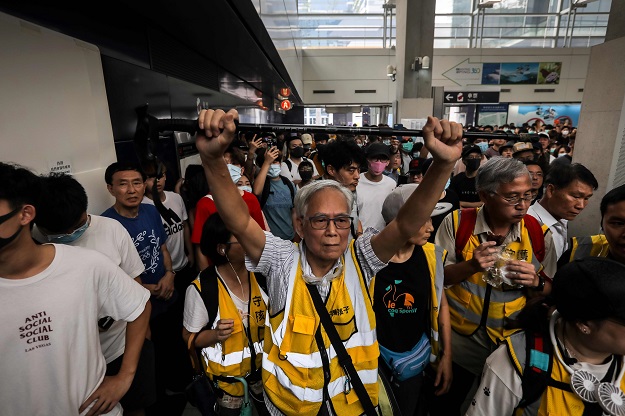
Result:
[
  {"x": 464, "y": 187},
  {"x": 449, "y": 203},
  {"x": 401, "y": 302}
]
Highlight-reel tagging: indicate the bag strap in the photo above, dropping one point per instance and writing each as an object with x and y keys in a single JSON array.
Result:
[
  {"x": 345, "y": 360},
  {"x": 196, "y": 360},
  {"x": 466, "y": 225},
  {"x": 538, "y": 366},
  {"x": 537, "y": 237},
  {"x": 209, "y": 293}
]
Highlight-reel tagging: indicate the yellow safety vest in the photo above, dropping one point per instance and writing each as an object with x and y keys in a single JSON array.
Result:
[
  {"x": 293, "y": 374},
  {"x": 232, "y": 357},
  {"x": 591, "y": 246},
  {"x": 554, "y": 401},
  {"x": 435, "y": 256},
  {"x": 467, "y": 300}
]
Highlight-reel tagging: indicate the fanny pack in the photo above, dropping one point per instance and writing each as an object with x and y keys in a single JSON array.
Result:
[{"x": 408, "y": 364}]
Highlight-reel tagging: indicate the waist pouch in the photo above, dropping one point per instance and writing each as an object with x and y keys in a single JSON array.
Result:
[{"x": 408, "y": 364}]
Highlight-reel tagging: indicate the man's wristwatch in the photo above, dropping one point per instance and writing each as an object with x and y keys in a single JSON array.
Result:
[{"x": 541, "y": 284}]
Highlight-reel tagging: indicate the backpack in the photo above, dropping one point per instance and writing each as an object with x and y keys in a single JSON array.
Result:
[
  {"x": 468, "y": 216},
  {"x": 266, "y": 189}
]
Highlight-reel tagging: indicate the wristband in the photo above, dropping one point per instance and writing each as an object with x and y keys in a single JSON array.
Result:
[
  {"x": 541, "y": 284},
  {"x": 170, "y": 271}
]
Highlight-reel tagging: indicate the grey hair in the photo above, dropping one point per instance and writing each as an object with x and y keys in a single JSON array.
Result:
[
  {"x": 497, "y": 171},
  {"x": 303, "y": 196}
]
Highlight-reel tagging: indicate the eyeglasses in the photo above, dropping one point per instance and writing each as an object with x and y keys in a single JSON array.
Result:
[
  {"x": 516, "y": 200},
  {"x": 321, "y": 222}
]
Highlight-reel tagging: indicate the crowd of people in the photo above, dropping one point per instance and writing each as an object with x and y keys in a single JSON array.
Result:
[{"x": 302, "y": 268}]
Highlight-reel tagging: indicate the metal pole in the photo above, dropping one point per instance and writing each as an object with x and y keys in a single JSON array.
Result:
[
  {"x": 572, "y": 27},
  {"x": 568, "y": 23}
]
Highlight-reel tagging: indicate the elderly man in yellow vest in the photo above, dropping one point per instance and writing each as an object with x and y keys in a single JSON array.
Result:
[
  {"x": 301, "y": 370},
  {"x": 498, "y": 256}
]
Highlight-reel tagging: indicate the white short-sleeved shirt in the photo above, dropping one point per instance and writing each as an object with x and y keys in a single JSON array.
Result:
[
  {"x": 51, "y": 356},
  {"x": 109, "y": 237}
]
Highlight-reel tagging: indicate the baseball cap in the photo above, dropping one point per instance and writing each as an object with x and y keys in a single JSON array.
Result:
[
  {"x": 306, "y": 138},
  {"x": 590, "y": 288},
  {"x": 508, "y": 145},
  {"x": 543, "y": 134},
  {"x": 378, "y": 149},
  {"x": 416, "y": 165},
  {"x": 470, "y": 148},
  {"x": 522, "y": 147},
  {"x": 396, "y": 199}
]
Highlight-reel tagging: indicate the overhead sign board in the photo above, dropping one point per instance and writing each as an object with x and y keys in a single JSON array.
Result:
[
  {"x": 285, "y": 92},
  {"x": 471, "y": 97}
]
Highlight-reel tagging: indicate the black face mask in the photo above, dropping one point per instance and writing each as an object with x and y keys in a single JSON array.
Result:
[
  {"x": 6, "y": 241},
  {"x": 472, "y": 164},
  {"x": 306, "y": 175},
  {"x": 319, "y": 146},
  {"x": 297, "y": 152}
]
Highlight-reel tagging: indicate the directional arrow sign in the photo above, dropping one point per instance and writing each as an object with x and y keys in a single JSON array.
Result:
[
  {"x": 465, "y": 73},
  {"x": 449, "y": 97}
]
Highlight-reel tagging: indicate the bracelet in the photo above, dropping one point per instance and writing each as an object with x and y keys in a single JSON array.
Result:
[
  {"x": 170, "y": 271},
  {"x": 541, "y": 284}
]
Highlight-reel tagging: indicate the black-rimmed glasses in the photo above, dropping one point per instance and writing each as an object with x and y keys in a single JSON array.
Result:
[{"x": 321, "y": 222}]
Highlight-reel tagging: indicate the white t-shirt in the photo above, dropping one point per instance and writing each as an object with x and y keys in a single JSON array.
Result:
[
  {"x": 371, "y": 196},
  {"x": 51, "y": 355},
  {"x": 110, "y": 238},
  {"x": 293, "y": 173},
  {"x": 174, "y": 227}
]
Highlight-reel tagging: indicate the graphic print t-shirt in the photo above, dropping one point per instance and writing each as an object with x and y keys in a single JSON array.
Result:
[
  {"x": 148, "y": 235},
  {"x": 401, "y": 302}
]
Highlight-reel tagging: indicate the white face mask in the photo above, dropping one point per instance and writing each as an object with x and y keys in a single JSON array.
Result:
[
  {"x": 235, "y": 172},
  {"x": 274, "y": 171},
  {"x": 561, "y": 154},
  {"x": 246, "y": 188}
]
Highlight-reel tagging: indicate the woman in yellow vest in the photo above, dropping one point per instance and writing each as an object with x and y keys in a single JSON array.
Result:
[
  {"x": 412, "y": 316},
  {"x": 568, "y": 361},
  {"x": 230, "y": 334}
]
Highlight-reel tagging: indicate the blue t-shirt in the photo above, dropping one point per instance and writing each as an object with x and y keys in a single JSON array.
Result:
[
  {"x": 148, "y": 235},
  {"x": 277, "y": 210}
]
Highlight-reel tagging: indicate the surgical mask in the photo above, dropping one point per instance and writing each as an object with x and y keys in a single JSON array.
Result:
[
  {"x": 306, "y": 175},
  {"x": 386, "y": 142},
  {"x": 565, "y": 133},
  {"x": 6, "y": 241},
  {"x": 407, "y": 147},
  {"x": 448, "y": 183},
  {"x": 552, "y": 150},
  {"x": 274, "y": 171},
  {"x": 297, "y": 152},
  {"x": 377, "y": 167},
  {"x": 472, "y": 164},
  {"x": 235, "y": 172},
  {"x": 246, "y": 188},
  {"x": 71, "y": 237},
  {"x": 561, "y": 154},
  {"x": 483, "y": 146}
]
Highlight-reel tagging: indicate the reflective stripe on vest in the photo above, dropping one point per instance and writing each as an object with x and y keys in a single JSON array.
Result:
[
  {"x": 466, "y": 299},
  {"x": 591, "y": 246},
  {"x": 292, "y": 367},
  {"x": 435, "y": 256},
  {"x": 554, "y": 401},
  {"x": 232, "y": 357}
]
